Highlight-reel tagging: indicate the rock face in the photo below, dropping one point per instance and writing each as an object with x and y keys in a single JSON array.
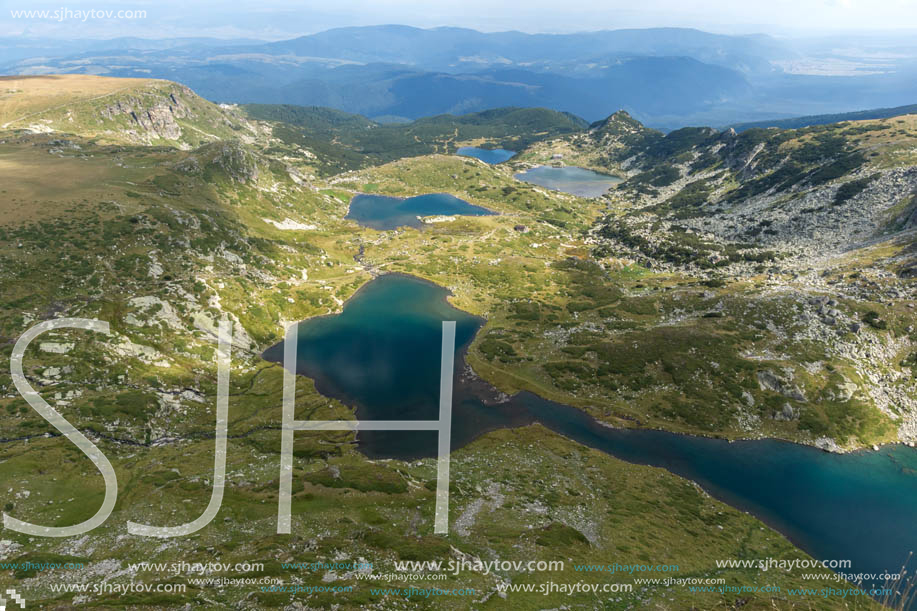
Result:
[
  {"x": 807, "y": 221},
  {"x": 827, "y": 444},
  {"x": 154, "y": 118},
  {"x": 231, "y": 159},
  {"x": 768, "y": 380},
  {"x": 238, "y": 162},
  {"x": 787, "y": 413}
]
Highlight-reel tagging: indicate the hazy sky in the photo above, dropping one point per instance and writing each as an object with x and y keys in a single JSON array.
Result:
[{"x": 275, "y": 19}]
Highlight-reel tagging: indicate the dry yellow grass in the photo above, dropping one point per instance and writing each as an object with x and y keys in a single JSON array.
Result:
[
  {"x": 23, "y": 99},
  {"x": 896, "y": 147},
  {"x": 37, "y": 185}
]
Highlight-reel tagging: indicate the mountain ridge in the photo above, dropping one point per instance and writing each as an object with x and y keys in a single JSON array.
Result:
[
  {"x": 810, "y": 120},
  {"x": 666, "y": 77},
  {"x": 136, "y": 111}
]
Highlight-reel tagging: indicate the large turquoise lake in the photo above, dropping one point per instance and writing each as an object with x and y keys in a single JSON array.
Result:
[
  {"x": 383, "y": 212},
  {"x": 570, "y": 179},
  {"x": 381, "y": 355},
  {"x": 491, "y": 156}
]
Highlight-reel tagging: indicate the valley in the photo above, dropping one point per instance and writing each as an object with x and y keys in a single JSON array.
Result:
[{"x": 754, "y": 285}]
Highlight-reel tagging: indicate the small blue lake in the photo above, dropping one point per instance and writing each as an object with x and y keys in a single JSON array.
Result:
[
  {"x": 492, "y": 156},
  {"x": 570, "y": 179},
  {"x": 383, "y": 212}
]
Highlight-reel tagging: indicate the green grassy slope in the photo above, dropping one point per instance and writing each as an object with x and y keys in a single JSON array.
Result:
[{"x": 115, "y": 111}]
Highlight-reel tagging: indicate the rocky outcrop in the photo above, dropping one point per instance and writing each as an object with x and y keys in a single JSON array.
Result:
[
  {"x": 238, "y": 162},
  {"x": 810, "y": 221},
  {"x": 768, "y": 380},
  {"x": 154, "y": 117},
  {"x": 229, "y": 158}
]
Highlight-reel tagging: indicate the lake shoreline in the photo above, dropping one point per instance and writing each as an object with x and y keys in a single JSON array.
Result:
[
  {"x": 393, "y": 217},
  {"x": 490, "y": 156},
  {"x": 827, "y": 504},
  {"x": 461, "y": 363},
  {"x": 574, "y": 180}
]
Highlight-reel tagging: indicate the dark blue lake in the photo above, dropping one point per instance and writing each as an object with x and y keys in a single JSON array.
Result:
[
  {"x": 492, "y": 156},
  {"x": 381, "y": 355},
  {"x": 383, "y": 212},
  {"x": 570, "y": 179}
]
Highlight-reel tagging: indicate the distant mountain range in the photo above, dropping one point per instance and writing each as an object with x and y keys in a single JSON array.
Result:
[
  {"x": 666, "y": 77},
  {"x": 860, "y": 115}
]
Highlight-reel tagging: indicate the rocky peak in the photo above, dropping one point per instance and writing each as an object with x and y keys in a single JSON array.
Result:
[
  {"x": 617, "y": 124},
  {"x": 230, "y": 158}
]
